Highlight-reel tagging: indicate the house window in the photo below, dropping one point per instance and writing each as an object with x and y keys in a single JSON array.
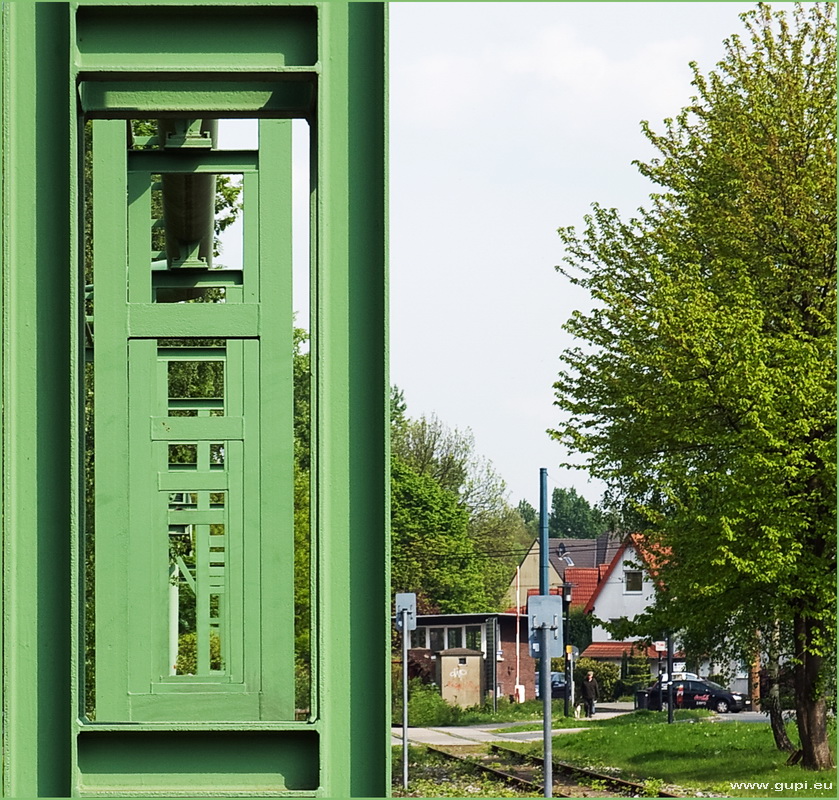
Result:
[
  {"x": 474, "y": 640},
  {"x": 443, "y": 637},
  {"x": 436, "y": 639},
  {"x": 632, "y": 581}
]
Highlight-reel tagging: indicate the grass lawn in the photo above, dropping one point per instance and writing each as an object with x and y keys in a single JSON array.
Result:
[
  {"x": 645, "y": 717},
  {"x": 707, "y": 756},
  {"x": 428, "y": 709}
]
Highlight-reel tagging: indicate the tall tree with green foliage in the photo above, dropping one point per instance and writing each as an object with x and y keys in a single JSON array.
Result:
[
  {"x": 430, "y": 448},
  {"x": 571, "y": 516},
  {"x": 704, "y": 387},
  {"x": 433, "y": 554},
  {"x": 301, "y": 371},
  {"x": 529, "y": 516}
]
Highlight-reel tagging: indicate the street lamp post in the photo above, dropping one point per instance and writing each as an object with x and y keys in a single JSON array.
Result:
[{"x": 566, "y": 609}]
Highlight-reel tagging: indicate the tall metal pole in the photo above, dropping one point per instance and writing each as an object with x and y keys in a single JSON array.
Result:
[
  {"x": 405, "y": 636},
  {"x": 545, "y": 661},
  {"x": 566, "y": 624},
  {"x": 543, "y": 531},
  {"x": 519, "y": 698},
  {"x": 545, "y": 688}
]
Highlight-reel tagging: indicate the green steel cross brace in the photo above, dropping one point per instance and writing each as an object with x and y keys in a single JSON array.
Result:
[{"x": 149, "y": 552}]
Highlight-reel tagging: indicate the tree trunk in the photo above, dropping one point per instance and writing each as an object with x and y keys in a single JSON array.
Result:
[
  {"x": 773, "y": 701},
  {"x": 810, "y": 704},
  {"x": 776, "y": 720}
]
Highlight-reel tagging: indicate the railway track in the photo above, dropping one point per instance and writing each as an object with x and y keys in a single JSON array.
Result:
[{"x": 524, "y": 772}]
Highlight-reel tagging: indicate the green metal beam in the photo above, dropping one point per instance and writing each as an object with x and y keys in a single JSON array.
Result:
[
  {"x": 246, "y": 98},
  {"x": 38, "y": 486},
  {"x": 63, "y": 62}
]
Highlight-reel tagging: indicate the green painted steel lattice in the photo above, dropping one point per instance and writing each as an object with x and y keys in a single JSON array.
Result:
[
  {"x": 227, "y": 433},
  {"x": 193, "y": 490}
]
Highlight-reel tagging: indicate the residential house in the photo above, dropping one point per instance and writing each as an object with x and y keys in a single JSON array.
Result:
[
  {"x": 609, "y": 578},
  {"x": 576, "y": 554},
  {"x": 624, "y": 590}
]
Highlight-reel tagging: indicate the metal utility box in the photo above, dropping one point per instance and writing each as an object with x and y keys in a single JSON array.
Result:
[
  {"x": 460, "y": 676},
  {"x": 180, "y": 593}
]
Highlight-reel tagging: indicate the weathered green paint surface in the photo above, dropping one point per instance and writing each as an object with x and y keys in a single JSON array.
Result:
[{"x": 229, "y": 728}]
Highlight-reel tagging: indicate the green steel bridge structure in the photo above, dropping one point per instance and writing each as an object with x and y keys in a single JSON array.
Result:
[{"x": 150, "y": 621}]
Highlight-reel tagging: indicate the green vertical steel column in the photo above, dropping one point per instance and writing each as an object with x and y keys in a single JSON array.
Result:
[
  {"x": 352, "y": 396},
  {"x": 336, "y": 51},
  {"x": 36, "y": 268}
]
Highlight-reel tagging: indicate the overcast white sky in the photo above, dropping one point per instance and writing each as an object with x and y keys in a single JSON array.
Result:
[{"x": 508, "y": 120}]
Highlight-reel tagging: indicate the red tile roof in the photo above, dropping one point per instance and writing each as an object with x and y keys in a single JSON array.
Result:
[
  {"x": 583, "y": 582},
  {"x": 617, "y": 649}
]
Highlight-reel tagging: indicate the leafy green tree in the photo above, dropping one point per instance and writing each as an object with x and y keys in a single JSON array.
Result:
[
  {"x": 530, "y": 518},
  {"x": 398, "y": 415},
  {"x": 704, "y": 386},
  {"x": 500, "y": 538},
  {"x": 301, "y": 372},
  {"x": 433, "y": 554},
  {"x": 447, "y": 455},
  {"x": 579, "y": 628},
  {"x": 571, "y": 516},
  {"x": 430, "y": 447}
]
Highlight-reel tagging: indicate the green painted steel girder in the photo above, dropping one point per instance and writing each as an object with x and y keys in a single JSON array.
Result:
[
  {"x": 229, "y": 728},
  {"x": 242, "y": 98}
]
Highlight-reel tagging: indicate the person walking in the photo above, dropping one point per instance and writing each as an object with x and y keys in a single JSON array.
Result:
[{"x": 590, "y": 691}]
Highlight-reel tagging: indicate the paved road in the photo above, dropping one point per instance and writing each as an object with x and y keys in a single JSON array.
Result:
[
  {"x": 743, "y": 716},
  {"x": 494, "y": 732}
]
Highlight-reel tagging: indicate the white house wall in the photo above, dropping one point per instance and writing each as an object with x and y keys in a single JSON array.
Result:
[{"x": 614, "y": 602}]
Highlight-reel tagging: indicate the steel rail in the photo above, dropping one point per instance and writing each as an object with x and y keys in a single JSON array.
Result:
[
  {"x": 506, "y": 777},
  {"x": 609, "y": 781}
]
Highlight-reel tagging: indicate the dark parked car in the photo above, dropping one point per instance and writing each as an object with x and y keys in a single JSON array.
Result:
[
  {"x": 698, "y": 694},
  {"x": 558, "y": 685}
]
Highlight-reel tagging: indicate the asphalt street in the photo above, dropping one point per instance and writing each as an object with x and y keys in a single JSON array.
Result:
[{"x": 495, "y": 732}]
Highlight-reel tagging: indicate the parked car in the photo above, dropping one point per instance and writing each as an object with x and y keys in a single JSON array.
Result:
[
  {"x": 558, "y": 685},
  {"x": 697, "y": 693}
]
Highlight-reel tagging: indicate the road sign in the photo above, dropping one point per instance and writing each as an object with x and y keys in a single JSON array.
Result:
[
  {"x": 545, "y": 612},
  {"x": 406, "y": 603}
]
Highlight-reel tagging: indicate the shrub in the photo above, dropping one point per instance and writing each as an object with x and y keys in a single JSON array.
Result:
[
  {"x": 425, "y": 706},
  {"x": 605, "y": 674}
]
